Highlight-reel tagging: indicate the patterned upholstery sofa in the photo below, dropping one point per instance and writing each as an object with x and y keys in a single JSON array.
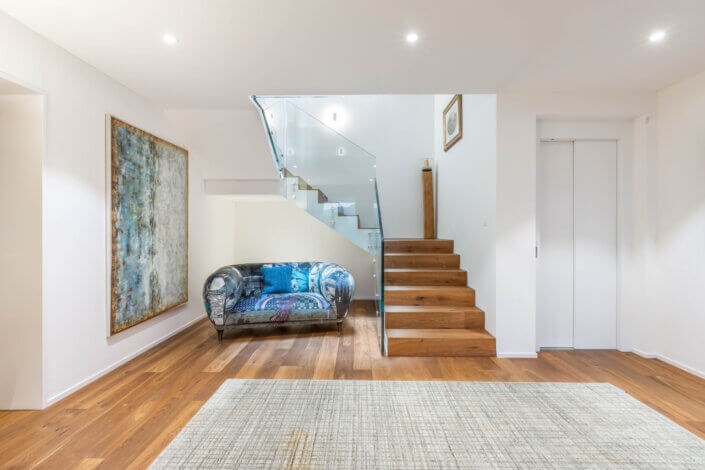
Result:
[{"x": 233, "y": 297}]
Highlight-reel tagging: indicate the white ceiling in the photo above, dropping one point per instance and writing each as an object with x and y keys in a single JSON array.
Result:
[{"x": 229, "y": 49}]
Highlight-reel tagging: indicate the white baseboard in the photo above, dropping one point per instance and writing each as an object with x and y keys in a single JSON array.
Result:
[
  {"x": 670, "y": 361},
  {"x": 519, "y": 355},
  {"x": 115, "y": 365},
  {"x": 643, "y": 354}
]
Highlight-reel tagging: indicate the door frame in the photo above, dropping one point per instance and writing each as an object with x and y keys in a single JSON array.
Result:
[
  {"x": 43, "y": 334},
  {"x": 554, "y": 130}
]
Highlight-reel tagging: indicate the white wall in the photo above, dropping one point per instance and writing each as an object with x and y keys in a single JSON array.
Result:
[
  {"x": 398, "y": 131},
  {"x": 21, "y": 142},
  {"x": 231, "y": 144},
  {"x": 670, "y": 228},
  {"x": 517, "y": 115},
  {"x": 466, "y": 193},
  {"x": 74, "y": 217}
]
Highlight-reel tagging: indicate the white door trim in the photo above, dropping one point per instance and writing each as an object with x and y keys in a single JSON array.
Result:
[{"x": 621, "y": 130}]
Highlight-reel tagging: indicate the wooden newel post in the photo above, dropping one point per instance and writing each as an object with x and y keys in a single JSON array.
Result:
[{"x": 429, "y": 219}]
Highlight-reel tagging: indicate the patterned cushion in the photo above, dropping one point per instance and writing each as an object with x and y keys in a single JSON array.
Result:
[
  {"x": 299, "y": 279},
  {"x": 252, "y": 285},
  {"x": 324, "y": 276},
  {"x": 280, "y": 308}
]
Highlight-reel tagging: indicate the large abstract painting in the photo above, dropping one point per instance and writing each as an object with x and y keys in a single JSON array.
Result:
[{"x": 148, "y": 184}]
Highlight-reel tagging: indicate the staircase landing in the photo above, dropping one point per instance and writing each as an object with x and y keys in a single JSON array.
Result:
[{"x": 429, "y": 309}]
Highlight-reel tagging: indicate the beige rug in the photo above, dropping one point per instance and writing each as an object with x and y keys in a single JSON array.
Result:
[{"x": 382, "y": 424}]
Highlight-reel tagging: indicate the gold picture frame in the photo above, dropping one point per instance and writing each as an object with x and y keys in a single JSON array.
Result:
[{"x": 453, "y": 122}]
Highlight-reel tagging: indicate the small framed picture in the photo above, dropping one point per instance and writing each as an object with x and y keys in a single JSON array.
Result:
[{"x": 453, "y": 122}]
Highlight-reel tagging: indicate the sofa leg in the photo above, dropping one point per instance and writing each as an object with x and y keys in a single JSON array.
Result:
[
  {"x": 340, "y": 327},
  {"x": 220, "y": 336}
]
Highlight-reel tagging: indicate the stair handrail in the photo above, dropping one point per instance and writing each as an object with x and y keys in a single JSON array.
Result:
[
  {"x": 380, "y": 257},
  {"x": 268, "y": 133},
  {"x": 255, "y": 99}
]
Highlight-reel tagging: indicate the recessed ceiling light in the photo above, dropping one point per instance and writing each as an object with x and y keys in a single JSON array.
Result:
[
  {"x": 657, "y": 36},
  {"x": 412, "y": 37},
  {"x": 169, "y": 39}
]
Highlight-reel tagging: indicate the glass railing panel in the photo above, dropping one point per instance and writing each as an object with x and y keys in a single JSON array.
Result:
[
  {"x": 323, "y": 156},
  {"x": 330, "y": 177},
  {"x": 378, "y": 260},
  {"x": 269, "y": 112}
]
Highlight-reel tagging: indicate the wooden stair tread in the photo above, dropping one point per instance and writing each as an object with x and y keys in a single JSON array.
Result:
[
  {"x": 433, "y": 316},
  {"x": 429, "y": 295},
  {"x": 440, "y": 342},
  {"x": 417, "y": 245},
  {"x": 420, "y": 255},
  {"x": 436, "y": 288},
  {"x": 440, "y": 309},
  {"x": 425, "y": 276},
  {"x": 423, "y": 270},
  {"x": 422, "y": 240},
  {"x": 438, "y": 333},
  {"x": 421, "y": 260}
]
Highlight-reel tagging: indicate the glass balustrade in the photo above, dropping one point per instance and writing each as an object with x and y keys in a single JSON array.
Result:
[{"x": 331, "y": 178}]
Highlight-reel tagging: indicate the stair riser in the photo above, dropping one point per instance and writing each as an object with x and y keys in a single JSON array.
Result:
[
  {"x": 461, "y": 298},
  {"x": 422, "y": 261},
  {"x": 418, "y": 246},
  {"x": 431, "y": 278},
  {"x": 422, "y": 320},
  {"x": 440, "y": 347}
]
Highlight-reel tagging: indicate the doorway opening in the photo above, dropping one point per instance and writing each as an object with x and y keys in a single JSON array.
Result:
[
  {"x": 21, "y": 155},
  {"x": 577, "y": 198},
  {"x": 577, "y": 244}
]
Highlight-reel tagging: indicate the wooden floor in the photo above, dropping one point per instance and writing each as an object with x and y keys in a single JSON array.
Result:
[{"x": 125, "y": 419}]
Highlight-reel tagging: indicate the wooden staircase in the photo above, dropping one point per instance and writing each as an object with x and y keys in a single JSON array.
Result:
[{"x": 429, "y": 309}]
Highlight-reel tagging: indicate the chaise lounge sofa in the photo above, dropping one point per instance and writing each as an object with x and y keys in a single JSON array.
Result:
[{"x": 234, "y": 297}]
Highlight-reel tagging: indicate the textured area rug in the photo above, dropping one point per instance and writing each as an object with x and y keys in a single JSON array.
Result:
[{"x": 380, "y": 424}]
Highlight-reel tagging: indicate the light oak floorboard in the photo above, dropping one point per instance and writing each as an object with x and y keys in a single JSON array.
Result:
[{"x": 127, "y": 417}]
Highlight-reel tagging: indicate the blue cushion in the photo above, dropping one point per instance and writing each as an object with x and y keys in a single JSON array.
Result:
[
  {"x": 299, "y": 279},
  {"x": 277, "y": 279}
]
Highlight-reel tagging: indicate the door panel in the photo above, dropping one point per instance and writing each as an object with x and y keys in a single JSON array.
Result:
[
  {"x": 554, "y": 270},
  {"x": 595, "y": 230}
]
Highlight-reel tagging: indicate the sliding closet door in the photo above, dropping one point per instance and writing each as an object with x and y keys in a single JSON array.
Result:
[
  {"x": 595, "y": 234},
  {"x": 554, "y": 270}
]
